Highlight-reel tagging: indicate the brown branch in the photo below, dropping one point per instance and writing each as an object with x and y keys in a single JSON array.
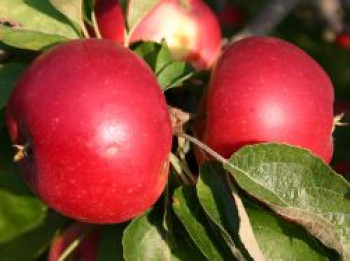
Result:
[{"x": 268, "y": 18}]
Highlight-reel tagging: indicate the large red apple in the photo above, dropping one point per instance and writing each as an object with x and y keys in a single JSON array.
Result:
[
  {"x": 88, "y": 238},
  {"x": 264, "y": 89},
  {"x": 110, "y": 20},
  {"x": 96, "y": 129},
  {"x": 189, "y": 27}
]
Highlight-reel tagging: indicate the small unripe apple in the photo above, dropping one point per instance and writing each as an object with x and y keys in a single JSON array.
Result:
[
  {"x": 87, "y": 248},
  {"x": 264, "y": 89},
  {"x": 110, "y": 20},
  {"x": 189, "y": 27},
  {"x": 94, "y": 130}
]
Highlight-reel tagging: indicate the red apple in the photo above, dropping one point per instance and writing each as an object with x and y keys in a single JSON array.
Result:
[
  {"x": 343, "y": 40},
  {"x": 264, "y": 89},
  {"x": 189, "y": 27},
  {"x": 96, "y": 128},
  {"x": 110, "y": 20},
  {"x": 231, "y": 16},
  {"x": 86, "y": 250}
]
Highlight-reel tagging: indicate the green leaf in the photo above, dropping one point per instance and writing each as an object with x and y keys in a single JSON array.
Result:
[
  {"x": 36, "y": 15},
  {"x": 73, "y": 10},
  {"x": 191, "y": 215},
  {"x": 299, "y": 186},
  {"x": 151, "y": 237},
  {"x": 219, "y": 205},
  {"x": 32, "y": 244},
  {"x": 294, "y": 243},
  {"x": 88, "y": 9},
  {"x": 137, "y": 10},
  {"x": 148, "y": 51},
  {"x": 110, "y": 245},
  {"x": 174, "y": 74},
  {"x": 18, "y": 214},
  {"x": 163, "y": 59},
  {"x": 169, "y": 73},
  {"x": 20, "y": 211},
  {"x": 26, "y": 39},
  {"x": 9, "y": 74}
]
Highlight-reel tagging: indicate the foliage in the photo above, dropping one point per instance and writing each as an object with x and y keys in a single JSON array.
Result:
[{"x": 268, "y": 201}]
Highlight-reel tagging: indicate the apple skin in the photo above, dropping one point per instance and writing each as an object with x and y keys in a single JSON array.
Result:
[
  {"x": 86, "y": 250},
  {"x": 264, "y": 89},
  {"x": 192, "y": 32},
  {"x": 98, "y": 128},
  {"x": 110, "y": 20}
]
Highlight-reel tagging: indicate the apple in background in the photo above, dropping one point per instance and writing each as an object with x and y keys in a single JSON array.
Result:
[
  {"x": 189, "y": 27},
  {"x": 343, "y": 41},
  {"x": 264, "y": 89},
  {"x": 87, "y": 248},
  {"x": 95, "y": 130},
  {"x": 110, "y": 20},
  {"x": 231, "y": 17}
]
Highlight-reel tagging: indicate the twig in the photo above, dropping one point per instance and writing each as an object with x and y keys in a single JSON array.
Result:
[
  {"x": 204, "y": 147},
  {"x": 332, "y": 12},
  {"x": 268, "y": 18},
  {"x": 178, "y": 119}
]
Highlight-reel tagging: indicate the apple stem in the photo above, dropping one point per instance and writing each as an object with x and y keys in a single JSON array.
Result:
[
  {"x": 185, "y": 4},
  {"x": 95, "y": 25},
  {"x": 69, "y": 250},
  {"x": 73, "y": 246},
  {"x": 85, "y": 32},
  {"x": 204, "y": 147},
  {"x": 83, "y": 28},
  {"x": 178, "y": 119},
  {"x": 267, "y": 19}
]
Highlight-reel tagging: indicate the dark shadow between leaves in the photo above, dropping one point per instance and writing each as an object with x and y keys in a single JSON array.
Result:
[
  {"x": 10, "y": 175},
  {"x": 210, "y": 229},
  {"x": 226, "y": 205}
]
